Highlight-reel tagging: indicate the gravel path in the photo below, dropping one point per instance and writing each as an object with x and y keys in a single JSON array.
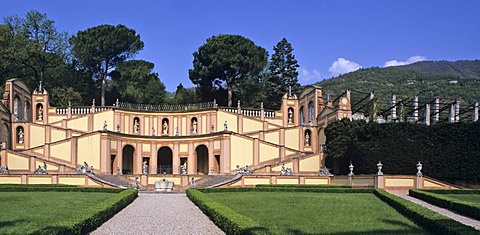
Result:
[
  {"x": 159, "y": 214},
  {"x": 460, "y": 218}
]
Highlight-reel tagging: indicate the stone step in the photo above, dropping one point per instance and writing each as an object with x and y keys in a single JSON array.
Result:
[
  {"x": 115, "y": 180},
  {"x": 213, "y": 180}
]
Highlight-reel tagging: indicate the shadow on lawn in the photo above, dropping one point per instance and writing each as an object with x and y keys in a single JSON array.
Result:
[
  {"x": 406, "y": 229},
  {"x": 10, "y": 223}
]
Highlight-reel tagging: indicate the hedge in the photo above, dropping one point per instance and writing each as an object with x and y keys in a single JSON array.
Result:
[
  {"x": 452, "y": 191},
  {"x": 426, "y": 218},
  {"x": 302, "y": 186},
  {"x": 94, "y": 215},
  {"x": 59, "y": 189},
  {"x": 288, "y": 189},
  {"x": 463, "y": 207},
  {"x": 400, "y": 146},
  {"x": 225, "y": 218}
]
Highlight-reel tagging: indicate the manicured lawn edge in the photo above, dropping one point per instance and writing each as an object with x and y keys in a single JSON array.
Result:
[
  {"x": 428, "y": 219},
  {"x": 302, "y": 186},
  {"x": 452, "y": 191},
  {"x": 225, "y": 218},
  {"x": 288, "y": 189},
  {"x": 92, "y": 217},
  {"x": 435, "y": 197}
]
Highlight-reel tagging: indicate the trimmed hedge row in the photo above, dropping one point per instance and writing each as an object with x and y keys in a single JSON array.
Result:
[
  {"x": 93, "y": 216},
  {"x": 302, "y": 186},
  {"x": 452, "y": 191},
  {"x": 428, "y": 219},
  {"x": 286, "y": 189},
  {"x": 465, "y": 208},
  {"x": 225, "y": 218},
  {"x": 59, "y": 189}
]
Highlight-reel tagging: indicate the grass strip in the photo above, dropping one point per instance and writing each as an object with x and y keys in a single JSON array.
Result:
[
  {"x": 470, "y": 209},
  {"x": 225, "y": 218},
  {"x": 302, "y": 186},
  {"x": 452, "y": 191},
  {"x": 430, "y": 220},
  {"x": 287, "y": 189}
]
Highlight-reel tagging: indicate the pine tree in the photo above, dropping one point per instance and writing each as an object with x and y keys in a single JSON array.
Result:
[{"x": 282, "y": 74}]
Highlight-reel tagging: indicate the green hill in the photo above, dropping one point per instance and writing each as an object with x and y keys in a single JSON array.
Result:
[
  {"x": 465, "y": 69},
  {"x": 405, "y": 84}
]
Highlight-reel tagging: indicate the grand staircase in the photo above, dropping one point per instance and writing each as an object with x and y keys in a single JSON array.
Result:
[
  {"x": 113, "y": 180},
  {"x": 213, "y": 181}
]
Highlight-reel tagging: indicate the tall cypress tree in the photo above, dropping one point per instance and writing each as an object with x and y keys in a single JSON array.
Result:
[{"x": 282, "y": 74}]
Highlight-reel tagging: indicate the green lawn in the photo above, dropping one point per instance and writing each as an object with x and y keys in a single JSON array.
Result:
[
  {"x": 24, "y": 212},
  {"x": 475, "y": 198},
  {"x": 318, "y": 213}
]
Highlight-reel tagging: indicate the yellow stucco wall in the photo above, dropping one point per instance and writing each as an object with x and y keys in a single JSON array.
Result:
[
  {"x": 430, "y": 184},
  {"x": 275, "y": 121},
  {"x": 272, "y": 137},
  {"x": 89, "y": 150},
  {"x": 99, "y": 118},
  {"x": 90, "y": 182},
  {"x": 231, "y": 121},
  {"x": 37, "y": 136},
  {"x": 52, "y": 118},
  {"x": 289, "y": 152},
  {"x": 316, "y": 181},
  {"x": 17, "y": 162},
  {"x": 57, "y": 134},
  {"x": 287, "y": 180},
  {"x": 267, "y": 152},
  {"x": 255, "y": 181},
  {"x": 62, "y": 151},
  {"x": 113, "y": 144},
  {"x": 205, "y": 129},
  {"x": 146, "y": 147},
  {"x": 183, "y": 147},
  {"x": 363, "y": 181},
  {"x": 241, "y": 152},
  {"x": 340, "y": 181},
  {"x": 250, "y": 125},
  {"x": 399, "y": 182},
  {"x": 39, "y": 150},
  {"x": 184, "y": 127},
  {"x": 279, "y": 168},
  {"x": 310, "y": 164},
  {"x": 39, "y": 180},
  {"x": 126, "y": 125},
  {"x": 216, "y": 144},
  {"x": 291, "y": 138},
  {"x": 71, "y": 180},
  {"x": 78, "y": 123},
  {"x": 10, "y": 180}
]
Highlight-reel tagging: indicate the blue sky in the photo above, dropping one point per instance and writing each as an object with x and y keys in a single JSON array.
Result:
[{"x": 328, "y": 37}]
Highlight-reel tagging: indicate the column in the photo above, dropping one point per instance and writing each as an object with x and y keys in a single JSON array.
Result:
[
  {"x": 211, "y": 158},
  {"x": 119, "y": 156},
  {"x": 176, "y": 159},
  {"x": 152, "y": 169},
  {"x": 137, "y": 159},
  {"x": 256, "y": 151},
  {"x": 192, "y": 163},
  {"x": 74, "y": 146}
]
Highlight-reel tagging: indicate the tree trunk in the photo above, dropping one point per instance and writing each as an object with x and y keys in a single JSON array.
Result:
[
  {"x": 103, "y": 91},
  {"x": 229, "y": 90}
]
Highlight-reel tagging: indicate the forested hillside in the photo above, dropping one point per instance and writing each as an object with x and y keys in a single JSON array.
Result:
[
  {"x": 465, "y": 69},
  {"x": 405, "y": 84}
]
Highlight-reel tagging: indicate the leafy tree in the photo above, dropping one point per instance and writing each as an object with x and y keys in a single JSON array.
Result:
[
  {"x": 104, "y": 47},
  {"x": 135, "y": 82},
  {"x": 184, "y": 96},
  {"x": 31, "y": 46},
  {"x": 226, "y": 61},
  {"x": 282, "y": 74}
]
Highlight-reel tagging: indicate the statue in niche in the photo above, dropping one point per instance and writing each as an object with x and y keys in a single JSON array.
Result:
[
  {"x": 290, "y": 115},
  {"x": 105, "y": 125},
  {"x": 145, "y": 167},
  {"x": 225, "y": 126},
  {"x": 307, "y": 139},
  {"x": 194, "y": 130},
  {"x": 136, "y": 127},
  {"x": 40, "y": 113},
  {"x": 20, "y": 136},
  {"x": 165, "y": 127},
  {"x": 153, "y": 131}
]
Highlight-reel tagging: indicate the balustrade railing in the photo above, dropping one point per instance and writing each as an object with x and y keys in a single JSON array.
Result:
[{"x": 168, "y": 107}]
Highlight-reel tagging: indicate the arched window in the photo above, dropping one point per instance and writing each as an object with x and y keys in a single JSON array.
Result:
[
  {"x": 311, "y": 112},
  {"x": 302, "y": 116},
  {"x": 28, "y": 111},
  {"x": 17, "y": 108}
]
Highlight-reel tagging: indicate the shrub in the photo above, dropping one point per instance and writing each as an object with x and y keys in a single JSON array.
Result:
[
  {"x": 289, "y": 189},
  {"x": 225, "y": 218},
  {"x": 435, "y": 197},
  {"x": 428, "y": 219}
]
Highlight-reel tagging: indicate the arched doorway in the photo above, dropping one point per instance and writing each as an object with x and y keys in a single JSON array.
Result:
[
  {"x": 165, "y": 160},
  {"x": 5, "y": 136},
  {"x": 202, "y": 159},
  {"x": 127, "y": 159}
]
